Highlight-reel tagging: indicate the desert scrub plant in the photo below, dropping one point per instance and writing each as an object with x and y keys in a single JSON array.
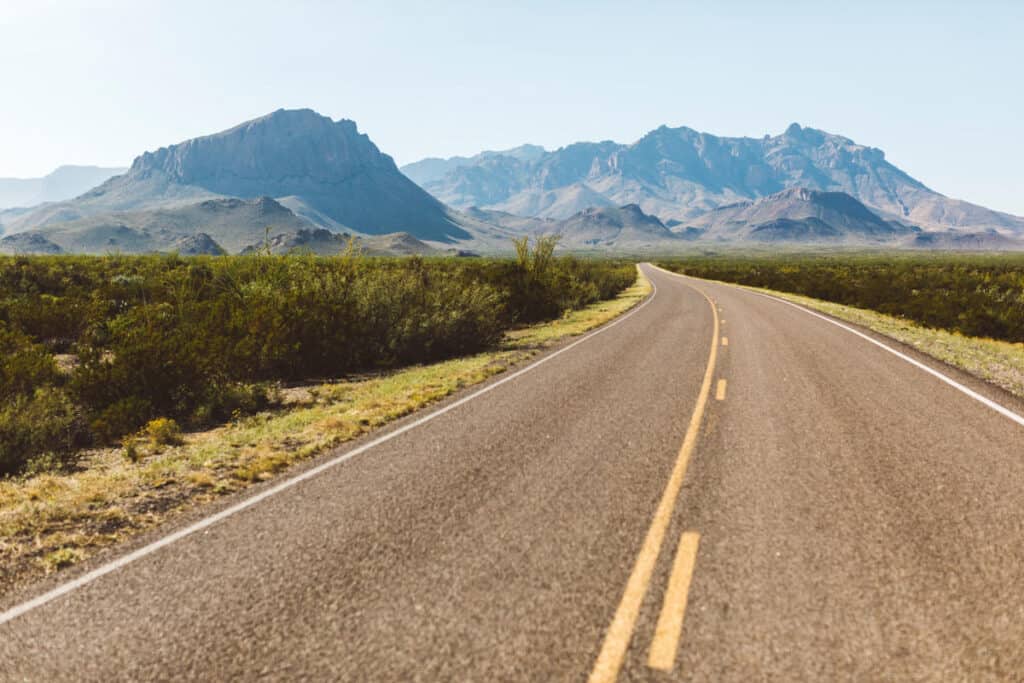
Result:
[
  {"x": 200, "y": 340},
  {"x": 60, "y": 558},
  {"x": 24, "y": 364},
  {"x": 45, "y": 427},
  {"x": 163, "y": 432},
  {"x": 977, "y": 295},
  {"x": 130, "y": 448}
]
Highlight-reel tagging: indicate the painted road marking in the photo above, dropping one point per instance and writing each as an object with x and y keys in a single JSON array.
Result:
[
  {"x": 1002, "y": 410},
  {"x": 720, "y": 390},
  {"x": 725, "y": 341},
  {"x": 670, "y": 624},
  {"x": 620, "y": 631},
  {"x": 102, "y": 570}
]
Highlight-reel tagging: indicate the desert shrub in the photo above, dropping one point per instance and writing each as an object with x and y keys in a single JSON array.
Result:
[
  {"x": 24, "y": 365},
  {"x": 163, "y": 432},
  {"x": 201, "y": 340},
  {"x": 981, "y": 296},
  {"x": 45, "y": 427}
]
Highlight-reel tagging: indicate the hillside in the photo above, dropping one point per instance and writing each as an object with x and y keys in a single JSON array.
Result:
[
  {"x": 952, "y": 240},
  {"x": 323, "y": 171},
  {"x": 680, "y": 174},
  {"x": 64, "y": 183},
  {"x": 326, "y": 243},
  {"x": 798, "y": 215},
  {"x": 614, "y": 227},
  {"x": 232, "y": 223}
]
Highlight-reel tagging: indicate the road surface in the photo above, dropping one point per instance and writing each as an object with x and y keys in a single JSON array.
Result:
[{"x": 738, "y": 491}]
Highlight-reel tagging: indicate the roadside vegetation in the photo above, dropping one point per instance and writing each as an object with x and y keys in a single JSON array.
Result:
[
  {"x": 53, "y": 518},
  {"x": 92, "y": 349},
  {"x": 976, "y": 296},
  {"x": 965, "y": 310}
]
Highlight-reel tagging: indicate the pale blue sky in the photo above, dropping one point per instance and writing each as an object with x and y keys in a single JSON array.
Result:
[{"x": 938, "y": 85}]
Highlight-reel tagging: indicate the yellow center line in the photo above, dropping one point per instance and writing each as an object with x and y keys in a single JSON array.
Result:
[
  {"x": 670, "y": 624},
  {"x": 620, "y": 631},
  {"x": 720, "y": 390}
]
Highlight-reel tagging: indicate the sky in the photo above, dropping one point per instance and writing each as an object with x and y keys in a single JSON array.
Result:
[{"x": 937, "y": 85}]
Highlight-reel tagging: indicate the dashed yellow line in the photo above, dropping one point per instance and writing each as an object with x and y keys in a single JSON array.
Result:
[
  {"x": 620, "y": 631},
  {"x": 670, "y": 624},
  {"x": 725, "y": 341},
  {"x": 720, "y": 390}
]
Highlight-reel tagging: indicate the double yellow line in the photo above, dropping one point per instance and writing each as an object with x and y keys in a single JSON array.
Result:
[{"x": 668, "y": 630}]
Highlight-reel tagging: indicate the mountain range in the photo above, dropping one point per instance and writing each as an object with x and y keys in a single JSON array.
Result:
[
  {"x": 681, "y": 174},
  {"x": 64, "y": 183},
  {"x": 310, "y": 183}
]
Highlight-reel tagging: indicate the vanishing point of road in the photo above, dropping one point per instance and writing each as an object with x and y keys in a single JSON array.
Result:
[{"x": 718, "y": 486}]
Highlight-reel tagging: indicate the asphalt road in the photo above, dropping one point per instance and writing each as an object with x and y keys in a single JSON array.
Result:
[{"x": 828, "y": 512}]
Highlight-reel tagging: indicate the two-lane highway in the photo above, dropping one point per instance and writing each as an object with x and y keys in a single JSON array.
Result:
[{"x": 732, "y": 490}]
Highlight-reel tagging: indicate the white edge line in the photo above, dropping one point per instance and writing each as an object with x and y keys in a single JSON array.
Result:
[
  {"x": 70, "y": 586},
  {"x": 1002, "y": 410}
]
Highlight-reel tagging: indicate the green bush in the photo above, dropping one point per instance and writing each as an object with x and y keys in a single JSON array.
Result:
[
  {"x": 980, "y": 296},
  {"x": 199, "y": 340},
  {"x": 24, "y": 365},
  {"x": 44, "y": 427},
  {"x": 163, "y": 432}
]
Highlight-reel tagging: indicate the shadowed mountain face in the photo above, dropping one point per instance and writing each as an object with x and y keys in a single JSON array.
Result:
[
  {"x": 951, "y": 240},
  {"x": 622, "y": 227},
  {"x": 323, "y": 171},
  {"x": 232, "y": 223},
  {"x": 326, "y": 243},
  {"x": 799, "y": 215},
  {"x": 28, "y": 243},
  {"x": 64, "y": 183},
  {"x": 680, "y": 174}
]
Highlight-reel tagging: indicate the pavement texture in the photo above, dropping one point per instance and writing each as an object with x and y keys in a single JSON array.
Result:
[{"x": 858, "y": 519}]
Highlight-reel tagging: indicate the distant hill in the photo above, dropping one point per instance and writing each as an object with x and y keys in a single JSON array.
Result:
[
  {"x": 64, "y": 183},
  {"x": 28, "y": 243},
  {"x": 232, "y": 223},
  {"x": 324, "y": 172},
  {"x": 606, "y": 228},
  {"x": 615, "y": 227},
  {"x": 798, "y": 215},
  {"x": 326, "y": 243},
  {"x": 952, "y": 240},
  {"x": 431, "y": 169},
  {"x": 680, "y": 174}
]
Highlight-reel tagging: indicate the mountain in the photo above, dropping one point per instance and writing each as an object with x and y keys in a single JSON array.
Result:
[
  {"x": 28, "y": 243},
  {"x": 64, "y": 183},
  {"x": 798, "y": 215},
  {"x": 952, "y": 240},
  {"x": 614, "y": 227},
  {"x": 432, "y": 168},
  {"x": 197, "y": 244},
  {"x": 326, "y": 243},
  {"x": 321, "y": 171},
  {"x": 605, "y": 228},
  {"x": 232, "y": 223},
  {"x": 680, "y": 174}
]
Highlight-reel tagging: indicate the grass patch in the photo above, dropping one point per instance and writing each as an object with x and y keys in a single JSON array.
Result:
[
  {"x": 53, "y": 520},
  {"x": 998, "y": 362}
]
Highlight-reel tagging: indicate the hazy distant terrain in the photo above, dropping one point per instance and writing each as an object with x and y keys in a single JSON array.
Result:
[
  {"x": 64, "y": 183},
  {"x": 680, "y": 174},
  {"x": 286, "y": 172},
  {"x": 306, "y": 182}
]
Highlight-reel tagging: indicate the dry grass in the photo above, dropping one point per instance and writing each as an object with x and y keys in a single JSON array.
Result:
[
  {"x": 51, "y": 521},
  {"x": 998, "y": 362}
]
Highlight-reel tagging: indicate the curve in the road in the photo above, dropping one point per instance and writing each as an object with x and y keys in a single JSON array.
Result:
[{"x": 70, "y": 586}]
